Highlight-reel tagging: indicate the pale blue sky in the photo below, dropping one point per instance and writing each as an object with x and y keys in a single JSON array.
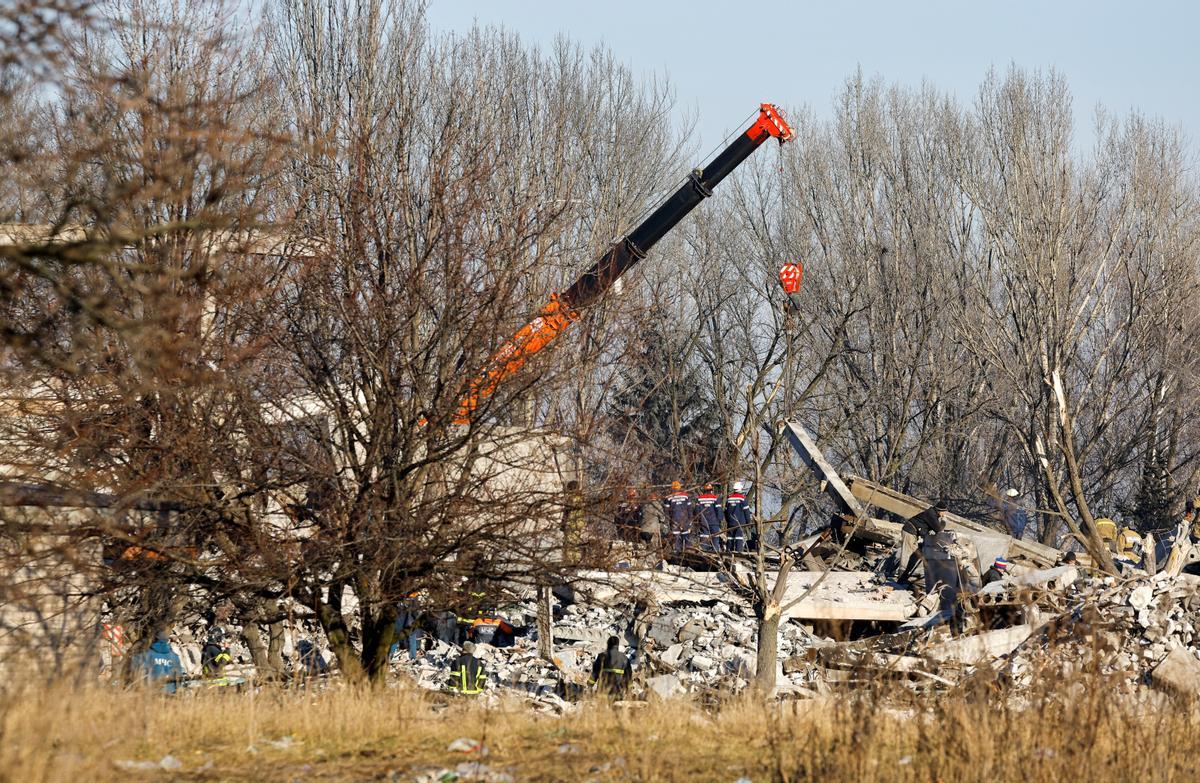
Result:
[{"x": 726, "y": 57}]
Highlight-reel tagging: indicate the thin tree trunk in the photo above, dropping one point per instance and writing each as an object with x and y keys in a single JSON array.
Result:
[
  {"x": 768, "y": 648},
  {"x": 545, "y": 622},
  {"x": 1095, "y": 545},
  {"x": 275, "y": 647}
]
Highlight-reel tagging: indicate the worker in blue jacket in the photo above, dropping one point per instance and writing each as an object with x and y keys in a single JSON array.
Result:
[
  {"x": 709, "y": 512},
  {"x": 679, "y": 515},
  {"x": 737, "y": 518},
  {"x": 159, "y": 664}
]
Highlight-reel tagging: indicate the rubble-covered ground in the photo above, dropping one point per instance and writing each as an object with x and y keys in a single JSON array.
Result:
[
  {"x": 685, "y": 647},
  {"x": 1141, "y": 630}
]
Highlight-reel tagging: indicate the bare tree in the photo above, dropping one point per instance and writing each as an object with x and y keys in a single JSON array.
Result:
[{"x": 437, "y": 223}]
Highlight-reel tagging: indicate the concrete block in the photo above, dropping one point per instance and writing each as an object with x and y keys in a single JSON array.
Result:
[
  {"x": 1178, "y": 673},
  {"x": 665, "y": 685}
]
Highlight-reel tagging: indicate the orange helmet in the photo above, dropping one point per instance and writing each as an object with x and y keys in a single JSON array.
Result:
[
  {"x": 676, "y": 485},
  {"x": 708, "y": 485}
]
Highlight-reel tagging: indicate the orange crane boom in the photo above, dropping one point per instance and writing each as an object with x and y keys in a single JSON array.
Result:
[{"x": 564, "y": 308}]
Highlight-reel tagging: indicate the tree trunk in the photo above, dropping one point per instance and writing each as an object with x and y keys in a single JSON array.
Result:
[
  {"x": 545, "y": 622},
  {"x": 334, "y": 626},
  {"x": 768, "y": 648},
  {"x": 1095, "y": 545},
  {"x": 347, "y": 657},
  {"x": 379, "y": 633},
  {"x": 258, "y": 652},
  {"x": 275, "y": 647}
]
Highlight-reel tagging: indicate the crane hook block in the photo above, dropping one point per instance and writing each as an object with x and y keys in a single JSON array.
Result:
[{"x": 790, "y": 276}]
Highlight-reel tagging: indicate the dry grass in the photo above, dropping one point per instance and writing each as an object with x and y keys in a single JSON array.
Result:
[{"x": 1076, "y": 732}]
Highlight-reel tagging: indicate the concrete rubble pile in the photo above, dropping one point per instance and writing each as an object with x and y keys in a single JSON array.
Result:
[
  {"x": 1037, "y": 628},
  {"x": 1036, "y": 624},
  {"x": 1145, "y": 630},
  {"x": 676, "y": 648},
  {"x": 691, "y": 633}
]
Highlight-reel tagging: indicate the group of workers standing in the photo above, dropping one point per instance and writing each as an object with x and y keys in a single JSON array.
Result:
[{"x": 704, "y": 522}]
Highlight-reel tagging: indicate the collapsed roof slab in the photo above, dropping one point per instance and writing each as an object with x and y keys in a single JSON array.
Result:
[
  {"x": 855, "y": 494},
  {"x": 875, "y": 494},
  {"x": 845, "y": 595},
  {"x": 986, "y": 646},
  {"x": 806, "y": 446},
  {"x": 843, "y": 498}
]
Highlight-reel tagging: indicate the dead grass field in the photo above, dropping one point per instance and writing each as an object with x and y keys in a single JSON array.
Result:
[{"x": 1079, "y": 731}]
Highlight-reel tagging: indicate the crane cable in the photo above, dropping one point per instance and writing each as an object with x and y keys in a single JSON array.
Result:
[{"x": 659, "y": 196}]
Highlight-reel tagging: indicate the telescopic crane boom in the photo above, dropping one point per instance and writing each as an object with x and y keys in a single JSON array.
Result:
[{"x": 564, "y": 308}]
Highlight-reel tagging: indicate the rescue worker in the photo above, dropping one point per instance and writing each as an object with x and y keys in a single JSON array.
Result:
[
  {"x": 159, "y": 664},
  {"x": 1011, "y": 513},
  {"x": 472, "y": 612},
  {"x": 611, "y": 671},
  {"x": 1129, "y": 544},
  {"x": 467, "y": 675},
  {"x": 943, "y": 575},
  {"x": 408, "y": 630},
  {"x": 737, "y": 518},
  {"x": 709, "y": 518},
  {"x": 628, "y": 519},
  {"x": 997, "y": 572},
  {"x": 489, "y": 629},
  {"x": 1108, "y": 532},
  {"x": 311, "y": 661},
  {"x": 679, "y": 513},
  {"x": 214, "y": 657},
  {"x": 913, "y": 534}
]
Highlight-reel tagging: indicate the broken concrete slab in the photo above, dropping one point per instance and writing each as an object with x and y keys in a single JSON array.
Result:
[
  {"x": 841, "y": 595},
  {"x": 986, "y": 646},
  {"x": 607, "y": 588},
  {"x": 665, "y": 685},
  {"x": 872, "y": 493},
  {"x": 1057, "y": 578},
  {"x": 1141, "y": 597},
  {"x": 580, "y": 634},
  {"x": 845, "y": 595},
  {"x": 1046, "y": 579},
  {"x": 1178, "y": 673},
  {"x": 806, "y": 446},
  {"x": 691, "y": 631},
  {"x": 672, "y": 655},
  {"x": 662, "y": 631}
]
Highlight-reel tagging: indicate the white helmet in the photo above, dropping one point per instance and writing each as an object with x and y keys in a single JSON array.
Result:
[
  {"x": 1012, "y": 492},
  {"x": 739, "y": 486}
]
